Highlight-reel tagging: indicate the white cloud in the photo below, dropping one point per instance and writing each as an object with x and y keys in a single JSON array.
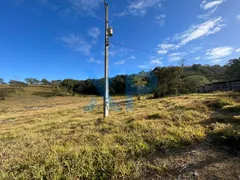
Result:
[
  {"x": 238, "y": 17},
  {"x": 94, "y": 32},
  {"x": 76, "y": 43},
  {"x": 174, "y": 58},
  {"x": 197, "y": 31},
  {"x": 206, "y": 15},
  {"x": 208, "y": 5},
  {"x": 197, "y": 58},
  {"x": 219, "y": 52},
  {"x": 143, "y": 66},
  {"x": 82, "y": 7},
  {"x": 92, "y": 60},
  {"x": 160, "y": 19},
  {"x": 85, "y": 7},
  {"x": 139, "y": 7},
  {"x": 162, "y": 51},
  {"x": 116, "y": 51},
  {"x": 216, "y": 61},
  {"x": 125, "y": 60},
  {"x": 177, "y": 54},
  {"x": 165, "y": 47},
  {"x": 237, "y": 50},
  {"x": 156, "y": 62}
]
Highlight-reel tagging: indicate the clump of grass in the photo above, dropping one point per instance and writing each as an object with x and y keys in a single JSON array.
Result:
[
  {"x": 233, "y": 108},
  {"x": 228, "y": 135},
  {"x": 66, "y": 142},
  {"x": 220, "y": 103}
]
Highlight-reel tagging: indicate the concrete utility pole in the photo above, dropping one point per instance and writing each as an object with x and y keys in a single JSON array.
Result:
[{"x": 108, "y": 32}]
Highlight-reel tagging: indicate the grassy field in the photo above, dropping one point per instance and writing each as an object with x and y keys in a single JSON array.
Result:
[{"x": 186, "y": 137}]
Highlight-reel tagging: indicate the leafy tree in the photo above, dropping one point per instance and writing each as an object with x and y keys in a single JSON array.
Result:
[
  {"x": 45, "y": 81},
  {"x": 32, "y": 81},
  {"x": 68, "y": 85},
  {"x": 29, "y": 80},
  {"x": 233, "y": 68},
  {"x": 169, "y": 81},
  {"x": 36, "y": 81},
  {"x": 56, "y": 83},
  {"x": 118, "y": 84},
  {"x": 18, "y": 85},
  {"x": 3, "y": 94},
  {"x": 1, "y": 81},
  {"x": 192, "y": 82}
]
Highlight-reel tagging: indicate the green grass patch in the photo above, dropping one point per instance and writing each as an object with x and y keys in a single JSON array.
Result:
[{"x": 221, "y": 102}]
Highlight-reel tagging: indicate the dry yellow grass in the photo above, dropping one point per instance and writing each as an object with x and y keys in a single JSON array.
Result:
[{"x": 169, "y": 138}]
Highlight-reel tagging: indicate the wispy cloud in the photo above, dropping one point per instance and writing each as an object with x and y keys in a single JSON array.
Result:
[
  {"x": 197, "y": 31},
  {"x": 43, "y": 2},
  {"x": 237, "y": 50},
  {"x": 73, "y": 7},
  {"x": 123, "y": 61},
  {"x": 212, "y": 4},
  {"x": 238, "y": 17},
  {"x": 92, "y": 60},
  {"x": 174, "y": 58},
  {"x": 197, "y": 58},
  {"x": 154, "y": 61},
  {"x": 139, "y": 7},
  {"x": 143, "y": 66},
  {"x": 84, "y": 7},
  {"x": 219, "y": 52},
  {"x": 216, "y": 61},
  {"x": 207, "y": 14},
  {"x": 164, "y": 48},
  {"x": 94, "y": 32},
  {"x": 210, "y": 7},
  {"x": 76, "y": 43},
  {"x": 177, "y": 54},
  {"x": 160, "y": 19}
]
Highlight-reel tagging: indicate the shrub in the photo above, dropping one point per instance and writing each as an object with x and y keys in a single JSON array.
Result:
[
  {"x": 3, "y": 94},
  {"x": 220, "y": 103},
  {"x": 228, "y": 135}
]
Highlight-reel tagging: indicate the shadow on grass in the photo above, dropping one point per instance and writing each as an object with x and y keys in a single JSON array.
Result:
[{"x": 224, "y": 125}]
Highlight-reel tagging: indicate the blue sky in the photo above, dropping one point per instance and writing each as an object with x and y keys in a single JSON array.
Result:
[{"x": 57, "y": 39}]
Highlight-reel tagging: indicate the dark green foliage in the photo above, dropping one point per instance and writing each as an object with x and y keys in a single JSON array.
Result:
[
  {"x": 192, "y": 82},
  {"x": 169, "y": 81},
  {"x": 3, "y": 94},
  {"x": 32, "y": 81},
  {"x": 17, "y": 84},
  {"x": 45, "y": 81},
  {"x": 228, "y": 136},
  {"x": 1, "y": 81},
  {"x": 233, "y": 70},
  {"x": 220, "y": 103},
  {"x": 162, "y": 81}
]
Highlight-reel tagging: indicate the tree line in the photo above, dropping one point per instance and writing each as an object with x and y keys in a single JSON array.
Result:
[{"x": 162, "y": 81}]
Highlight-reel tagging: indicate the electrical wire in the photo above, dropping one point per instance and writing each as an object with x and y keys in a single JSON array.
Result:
[{"x": 134, "y": 48}]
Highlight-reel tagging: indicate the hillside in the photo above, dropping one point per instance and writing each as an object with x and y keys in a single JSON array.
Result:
[{"x": 186, "y": 137}]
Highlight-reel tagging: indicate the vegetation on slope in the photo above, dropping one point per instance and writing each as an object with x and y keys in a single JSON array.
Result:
[
  {"x": 169, "y": 138},
  {"x": 162, "y": 81}
]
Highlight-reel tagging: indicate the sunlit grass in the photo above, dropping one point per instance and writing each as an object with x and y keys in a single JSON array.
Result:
[{"x": 62, "y": 141}]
